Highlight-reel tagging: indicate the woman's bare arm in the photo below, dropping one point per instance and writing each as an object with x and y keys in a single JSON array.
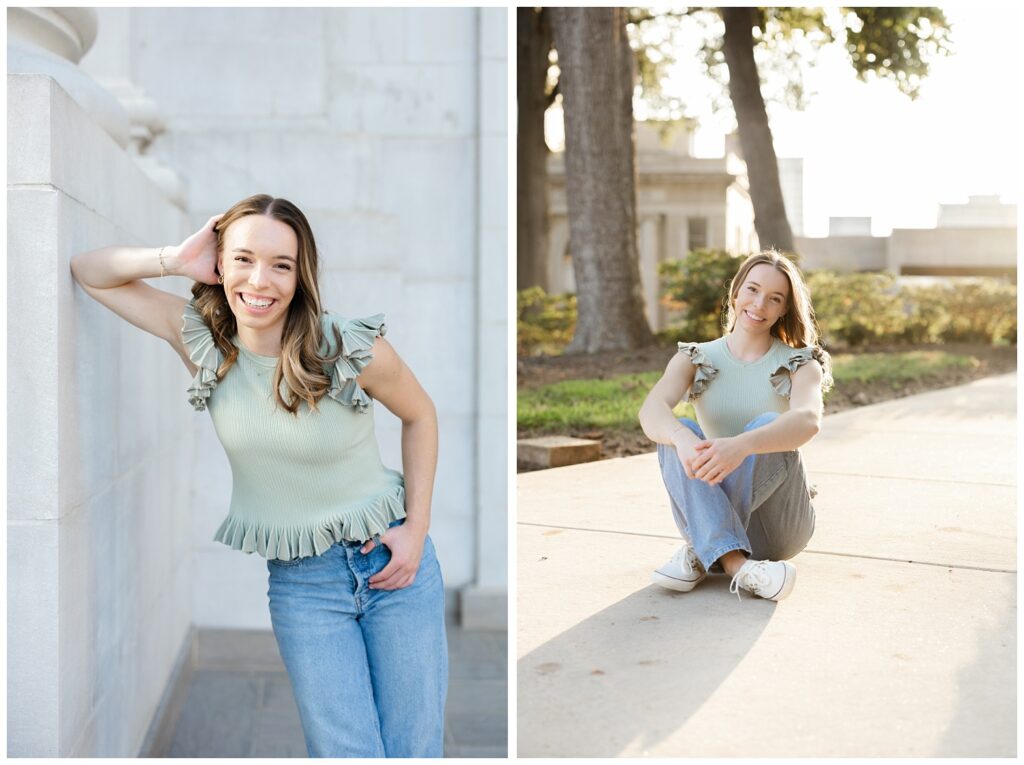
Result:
[
  {"x": 792, "y": 429},
  {"x": 393, "y": 384},
  {"x": 656, "y": 418},
  {"x": 113, "y": 276}
]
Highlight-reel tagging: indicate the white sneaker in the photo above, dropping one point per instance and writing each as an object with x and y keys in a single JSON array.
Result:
[
  {"x": 682, "y": 572},
  {"x": 769, "y": 579}
]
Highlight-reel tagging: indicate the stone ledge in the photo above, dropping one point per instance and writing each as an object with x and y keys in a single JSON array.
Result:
[{"x": 557, "y": 451}]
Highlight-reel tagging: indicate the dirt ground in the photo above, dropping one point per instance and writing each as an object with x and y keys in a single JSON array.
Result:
[{"x": 532, "y": 372}]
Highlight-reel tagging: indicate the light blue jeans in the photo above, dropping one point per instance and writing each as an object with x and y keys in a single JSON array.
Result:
[
  {"x": 763, "y": 507},
  {"x": 369, "y": 668}
]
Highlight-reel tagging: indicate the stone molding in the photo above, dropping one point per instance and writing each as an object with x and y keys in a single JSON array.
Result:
[{"x": 52, "y": 41}]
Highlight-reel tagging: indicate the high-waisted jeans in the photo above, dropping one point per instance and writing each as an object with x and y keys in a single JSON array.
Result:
[
  {"x": 763, "y": 507},
  {"x": 369, "y": 668}
]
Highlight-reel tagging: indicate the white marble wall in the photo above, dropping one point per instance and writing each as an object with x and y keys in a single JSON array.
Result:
[
  {"x": 99, "y": 573},
  {"x": 387, "y": 127},
  {"x": 484, "y": 604}
]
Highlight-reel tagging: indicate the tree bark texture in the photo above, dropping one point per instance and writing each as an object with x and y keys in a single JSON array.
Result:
[
  {"x": 533, "y": 44},
  {"x": 770, "y": 219},
  {"x": 597, "y": 77}
]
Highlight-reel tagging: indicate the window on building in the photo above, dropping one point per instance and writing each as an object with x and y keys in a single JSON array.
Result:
[{"x": 696, "y": 233}]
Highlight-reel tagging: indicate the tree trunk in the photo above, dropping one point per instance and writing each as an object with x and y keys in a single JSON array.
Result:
[
  {"x": 533, "y": 43},
  {"x": 770, "y": 220},
  {"x": 596, "y": 81}
]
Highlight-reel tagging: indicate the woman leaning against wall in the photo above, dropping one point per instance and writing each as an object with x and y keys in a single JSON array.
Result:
[{"x": 356, "y": 597}]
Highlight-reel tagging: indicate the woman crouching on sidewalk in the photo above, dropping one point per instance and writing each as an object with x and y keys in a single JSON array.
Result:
[{"x": 736, "y": 483}]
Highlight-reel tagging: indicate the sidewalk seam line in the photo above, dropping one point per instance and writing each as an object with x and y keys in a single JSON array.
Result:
[
  {"x": 811, "y": 471},
  {"x": 813, "y": 552}
]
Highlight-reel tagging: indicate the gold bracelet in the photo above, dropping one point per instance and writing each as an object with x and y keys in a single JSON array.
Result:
[{"x": 161, "y": 257}]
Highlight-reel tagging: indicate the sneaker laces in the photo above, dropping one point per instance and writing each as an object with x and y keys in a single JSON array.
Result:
[
  {"x": 682, "y": 556},
  {"x": 753, "y": 576}
]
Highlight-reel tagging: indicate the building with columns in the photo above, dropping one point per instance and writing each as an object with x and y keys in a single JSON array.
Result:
[
  {"x": 134, "y": 126},
  {"x": 683, "y": 203}
]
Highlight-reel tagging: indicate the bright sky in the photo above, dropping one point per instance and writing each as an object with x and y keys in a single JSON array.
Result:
[{"x": 870, "y": 151}]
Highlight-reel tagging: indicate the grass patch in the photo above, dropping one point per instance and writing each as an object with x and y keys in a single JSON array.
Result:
[
  {"x": 613, "y": 404},
  {"x": 895, "y": 367},
  {"x": 610, "y": 404}
]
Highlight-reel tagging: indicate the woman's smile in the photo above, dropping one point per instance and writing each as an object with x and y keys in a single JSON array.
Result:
[
  {"x": 752, "y": 317},
  {"x": 256, "y": 304}
]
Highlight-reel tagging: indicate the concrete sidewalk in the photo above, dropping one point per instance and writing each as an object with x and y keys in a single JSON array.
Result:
[
  {"x": 898, "y": 640},
  {"x": 239, "y": 702}
]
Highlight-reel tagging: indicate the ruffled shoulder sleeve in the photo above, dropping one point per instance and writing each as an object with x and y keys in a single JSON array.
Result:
[
  {"x": 202, "y": 352},
  {"x": 781, "y": 378},
  {"x": 705, "y": 371},
  {"x": 357, "y": 336}
]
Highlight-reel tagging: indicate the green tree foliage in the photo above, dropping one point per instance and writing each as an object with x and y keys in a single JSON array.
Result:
[{"x": 894, "y": 44}]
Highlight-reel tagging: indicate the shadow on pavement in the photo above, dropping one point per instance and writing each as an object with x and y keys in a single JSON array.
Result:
[
  {"x": 985, "y": 720},
  {"x": 641, "y": 667}
]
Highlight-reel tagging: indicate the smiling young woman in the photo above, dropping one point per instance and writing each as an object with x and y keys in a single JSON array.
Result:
[
  {"x": 735, "y": 479},
  {"x": 356, "y": 597}
]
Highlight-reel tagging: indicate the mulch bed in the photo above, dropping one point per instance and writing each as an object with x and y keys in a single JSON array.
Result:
[{"x": 536, "y": 371}]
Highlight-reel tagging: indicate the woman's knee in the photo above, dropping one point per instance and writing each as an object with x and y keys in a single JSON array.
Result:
[
  {"x": 761, "y": 420},
  {"x": 796, "y": 544}
]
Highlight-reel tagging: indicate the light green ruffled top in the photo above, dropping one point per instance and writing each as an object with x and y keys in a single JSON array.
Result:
[
  {"x": 728, "y": 393},
  {"x": 298, "y": 484}
]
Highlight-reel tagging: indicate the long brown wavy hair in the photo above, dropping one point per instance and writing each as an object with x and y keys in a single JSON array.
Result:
[
  {"x": 301, "y": 365},
  {"x": 797, "y": 327}
]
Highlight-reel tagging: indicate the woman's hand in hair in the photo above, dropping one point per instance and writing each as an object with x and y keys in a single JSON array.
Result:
[
  {"x": 717, "y": 458},
  {"x": 406, "y": 545},
  {"x": 196, "y": 257}
]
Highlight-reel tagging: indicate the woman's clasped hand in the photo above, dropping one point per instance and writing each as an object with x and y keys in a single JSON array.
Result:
[{"x": 717, "y": 458}]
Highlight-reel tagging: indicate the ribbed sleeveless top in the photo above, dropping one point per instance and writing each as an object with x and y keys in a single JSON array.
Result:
[
  {"x": 728, "y": 393},
  {"x": 299, "y": 484}
]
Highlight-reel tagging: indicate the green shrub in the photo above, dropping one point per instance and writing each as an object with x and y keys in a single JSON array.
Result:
[
  {"x": 981, "y": 311},
  {"x": 926, "y": 312},
  {"x": 696, "y": 287},
  {"x": 544, "y": 323},
  {"x": 856, "y": 309}
]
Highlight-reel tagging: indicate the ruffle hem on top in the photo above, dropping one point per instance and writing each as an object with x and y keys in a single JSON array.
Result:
[{"x": 356, "y": 523}]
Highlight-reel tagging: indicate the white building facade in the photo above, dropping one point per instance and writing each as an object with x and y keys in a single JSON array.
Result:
[
  {"x": 133, "y": 126},
  {"x": 976, "y": 238}
]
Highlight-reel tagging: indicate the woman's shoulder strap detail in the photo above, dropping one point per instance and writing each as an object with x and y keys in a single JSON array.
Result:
[
  {"x": 705, "y": 371},
  {"x": 203, "y": 352},
  {"x": 357, "y": 338},
  {"x": 781, "y": 378}
]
